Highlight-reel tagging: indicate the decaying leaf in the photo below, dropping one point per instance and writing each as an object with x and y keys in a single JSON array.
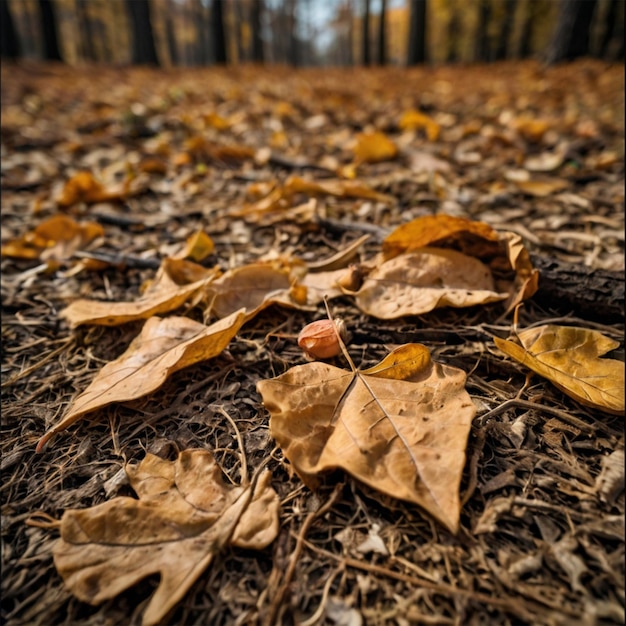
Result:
[
  {"x": 374, "y": 147},
  {"x": 253, "y": 287},
  {"x": 414, "y": 120},
  {"x": 400, "y": 427},
  {"x": 163, "y": 347},
  {"x": 83, "y": 187},
  {"x": 176, "y": 282},
  {"x": 503, "y": 254},
  {"x": 55, "y": 239},
  {"x": 570, "y": 358},
  {"x": 420, "y": 281},
  {"x": 184, "y": 517},
  {"x": 610, "y": 480}
]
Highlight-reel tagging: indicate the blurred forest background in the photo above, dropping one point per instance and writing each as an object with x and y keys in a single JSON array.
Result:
[{"x": 310, "y": 32}]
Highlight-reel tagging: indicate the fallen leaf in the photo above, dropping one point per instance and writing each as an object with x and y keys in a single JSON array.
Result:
[
  {"x": 253, "y": 287},
  {"x": 541, "y": 188},
  {"x": 569, "y": 358},
  {"x": 400, "y": 427},
  {"x": 420, "y": 281},
  {"x": 339, "y": 188},
  {"x": 55, "y": 239},
  {"x": 431, "y": 230},
  {"x": 177, "y": 281},
  {"x": 610, "y": 480},
  {"x": 163, "y": 347},
  {"x": 184, "y": 517},
  {"x": 374, "y": 147},
  {"x": 83, "y": 187},
  {"x": 197, "y": 247},
  {"x": 414, "y": 120}
]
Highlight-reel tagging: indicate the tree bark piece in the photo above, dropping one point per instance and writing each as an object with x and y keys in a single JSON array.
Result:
[{"x": 593, "y": 294}]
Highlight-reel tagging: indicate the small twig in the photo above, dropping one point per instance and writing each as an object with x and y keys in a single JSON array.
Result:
[
  {"x": 317, "y": 616},
  {"x": 122, "y": 260},
  {"x": 526, "y": 404},
  {"x": 442, "y": 588},
  {"x": 271, "y": 618},
  {"x": 242, "y": 452}
]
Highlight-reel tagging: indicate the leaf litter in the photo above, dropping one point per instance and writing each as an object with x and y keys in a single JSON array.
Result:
[{"x": 538, "y": 467}]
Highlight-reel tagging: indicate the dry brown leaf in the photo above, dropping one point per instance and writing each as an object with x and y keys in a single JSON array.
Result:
[
  {"x": 197, "y": 247},
  {"x": 57, "y": 238},
  {"x": 569, "y": 358},
  {"x": 541, "y": 188},
  {"x": 374, "y": 147},
  {"x": 504, "y": 252},
  {"x": 400, "y": 427},
  {"x": 176, "y": 282},
  {"x": 184, "y": 517},
  {"x": 420, "y": 281},
  {"x": 253, "y": 287},
  {"x": 339, "y": 188},
  {"x": 163, "y": 347}
]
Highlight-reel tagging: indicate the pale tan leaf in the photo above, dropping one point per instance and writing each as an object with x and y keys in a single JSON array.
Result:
[
  {"x": 253, "y": 287},
  {"x": 570, "y": 358},
  {"x": 541, "y": 188},
  {"x": 163, "y": 347},
  {"x": 177, "y": 282},
  {"x": 404, "y": 436},
  {"x": 420, "y": 281},
  {"x": 184, "y": 516}
]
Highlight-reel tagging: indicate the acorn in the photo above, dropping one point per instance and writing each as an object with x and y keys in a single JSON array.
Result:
[{"x": 319, "y": 339}]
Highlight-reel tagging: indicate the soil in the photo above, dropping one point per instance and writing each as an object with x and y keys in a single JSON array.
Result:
[{"x": 542, "y": 526}]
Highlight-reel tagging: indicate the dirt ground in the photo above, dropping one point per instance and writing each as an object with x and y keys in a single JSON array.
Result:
[{"x": 542, "y": 527}]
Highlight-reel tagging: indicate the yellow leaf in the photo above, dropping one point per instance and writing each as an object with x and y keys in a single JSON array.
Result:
[
  {"x": 401, "y": 427},
  {"x": 414, "y": 120},
  {"x": 198, "y": 247},
  {"x": 374, "y": 147},
  {"x": 569, "y": 358},
  {"x": 184, "y": 517},
  {"x": 163, "y": 347}
]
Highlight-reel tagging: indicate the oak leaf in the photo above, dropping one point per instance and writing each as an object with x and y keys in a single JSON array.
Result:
[
  {"x": 183, "y": 517},
  {"x": 570, "y": 358},
  {"x": 401, "y": 426},
  {"x": 176, "y": 282},
  {"x": 163, "y": 347}
]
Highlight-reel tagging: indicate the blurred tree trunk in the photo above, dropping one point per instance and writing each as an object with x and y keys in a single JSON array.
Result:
[
  {"x": 85, "y": 35},
  {"x": 612, "y": 42},
  {"x": 143, "y": 49},
  {"x": 219, "y": 32},
  {"x": 48, "y": 19},
  {"x": 482, "y": 52},
  {"x": 172, "y": 46},
  {"x": 506, "y": 29},
  {"x": 416, "y": 53},
  {"x": 294, "y": 48},
  {"x": 366, "y": 33},
  {"x": 382, "y": 44},
  {"x": 570, "y": 39},
  {"x": 9, "y": 42},
  {"x": 454, "y": 32},
  {"x": 202, "y": 28},
  {"x": 528, "y": 27},
  {"x": 256, "y": 24}
]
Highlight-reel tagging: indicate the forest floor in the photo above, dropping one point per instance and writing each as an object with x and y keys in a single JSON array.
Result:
[{"x": 533, "y": 150}]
